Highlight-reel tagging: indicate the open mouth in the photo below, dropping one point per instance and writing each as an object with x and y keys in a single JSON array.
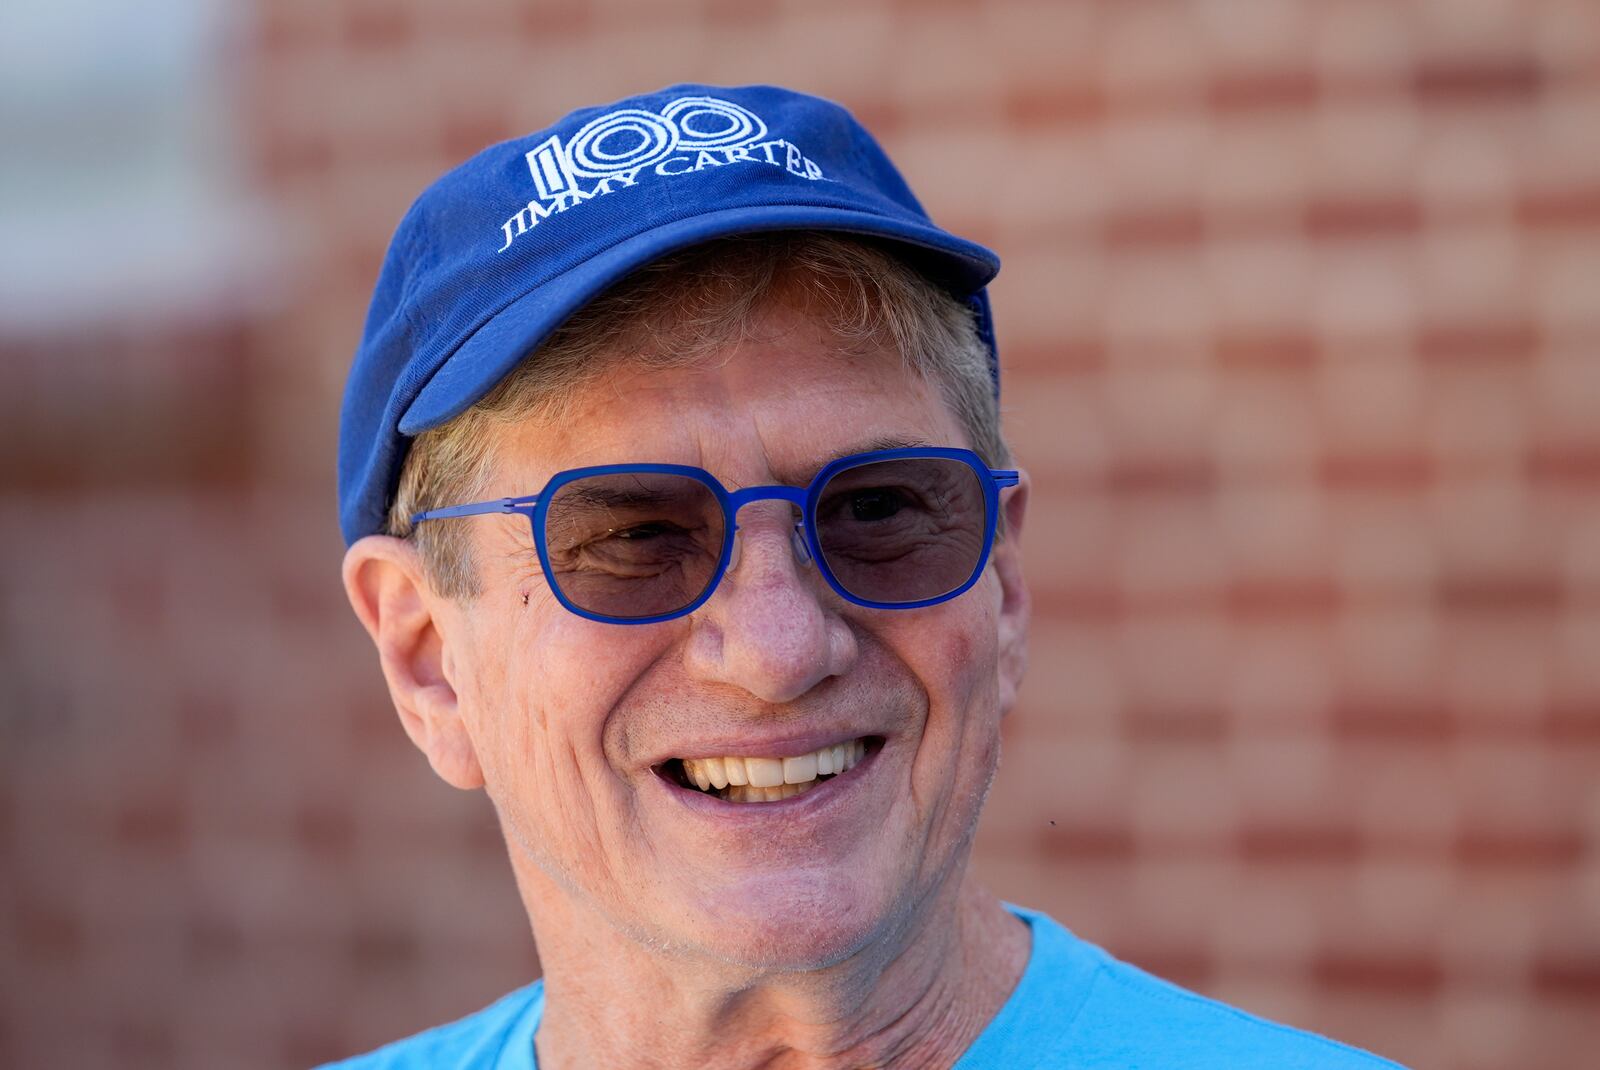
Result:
[{"x": 748, "y": 780}]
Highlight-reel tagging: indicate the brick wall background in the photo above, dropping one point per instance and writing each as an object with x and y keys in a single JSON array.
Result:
[{"x": 1301, "y": 327}]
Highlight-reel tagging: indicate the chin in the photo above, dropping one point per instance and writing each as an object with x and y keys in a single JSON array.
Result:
[{"x": 797, "y": 921}]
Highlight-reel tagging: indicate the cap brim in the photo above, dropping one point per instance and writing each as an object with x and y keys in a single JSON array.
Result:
[{"x": 497, "y": 346}]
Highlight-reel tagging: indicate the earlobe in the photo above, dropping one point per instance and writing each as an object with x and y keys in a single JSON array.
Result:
[
  {"x": 388, "y": 589},
  {"x": 1015, "y": 605}
]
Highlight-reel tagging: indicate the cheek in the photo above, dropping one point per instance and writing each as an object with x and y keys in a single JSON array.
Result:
[
  {"x": 544, "y": 716},
  {"x": 956, "y": 649},
  {"x": 968, "y": 648},
  {"x": 563, "y": 683},
  {"x": 515, "y": 697},
  {"x": 953, "y": 655}
]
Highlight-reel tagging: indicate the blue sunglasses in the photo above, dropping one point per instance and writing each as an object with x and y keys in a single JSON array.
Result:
[{"x": 643, "y": 543}]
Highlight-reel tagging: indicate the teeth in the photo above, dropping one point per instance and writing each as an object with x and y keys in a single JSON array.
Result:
[
  {"x": 800, "y": 770},
  {"x": 763, "y": 772},
  {"x": 739, "y": 793},
  {"x": 717, "y": 771},
  {"x": 771, "y": 779}
]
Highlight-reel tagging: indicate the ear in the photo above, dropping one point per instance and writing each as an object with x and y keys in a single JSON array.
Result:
[
  {"x": 1015, "y": 606},
  {"x": 389, "y": 590}
]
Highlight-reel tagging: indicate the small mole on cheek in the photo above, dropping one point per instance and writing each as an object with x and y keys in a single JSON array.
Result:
[{"x": 524, "y": 597}]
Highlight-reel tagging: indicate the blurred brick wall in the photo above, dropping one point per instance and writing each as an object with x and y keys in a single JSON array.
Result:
[{"x": 1300, "y": 319}]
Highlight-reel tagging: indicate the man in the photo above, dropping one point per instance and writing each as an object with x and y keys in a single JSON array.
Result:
[{"x": 679, "y": 514}]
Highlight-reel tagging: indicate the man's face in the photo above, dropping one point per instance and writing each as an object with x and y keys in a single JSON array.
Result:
[{"x": 572, "y": 720}]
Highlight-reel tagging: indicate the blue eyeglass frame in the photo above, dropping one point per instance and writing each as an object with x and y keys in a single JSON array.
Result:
[{"x": 535, "y": 507}]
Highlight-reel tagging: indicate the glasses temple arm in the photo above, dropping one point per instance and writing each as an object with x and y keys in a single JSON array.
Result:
[
  {"x": 499, "y": 505},
  {"x": 1008, "y": 477}
]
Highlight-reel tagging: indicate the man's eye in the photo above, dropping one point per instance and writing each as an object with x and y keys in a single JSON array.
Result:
[
  {"x": 871, "y": 505},
  {"x": 642, "y": 531},
  {"x": 657, "y": 539}
]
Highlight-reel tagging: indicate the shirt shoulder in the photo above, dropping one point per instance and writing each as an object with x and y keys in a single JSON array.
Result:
[
  {"x": 1078, "y": 1006},
  {"x": 490, "y": 1039},
  {"x": 1132, "y": 1018}
]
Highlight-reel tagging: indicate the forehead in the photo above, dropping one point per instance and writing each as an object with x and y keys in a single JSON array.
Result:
[{"x": 777, "y": 402}]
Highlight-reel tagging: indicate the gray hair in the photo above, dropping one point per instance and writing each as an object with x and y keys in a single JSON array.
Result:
[{"x": 676, "y": 312}]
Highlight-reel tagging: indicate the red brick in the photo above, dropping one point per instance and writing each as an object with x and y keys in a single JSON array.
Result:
[
  {"x": 1572, "y": 725},
  {"x": 1287, "y": 89},
  {"x": 47, "y": 932},
  {"x": 1328, "y": 219},
  {"x": 1073, "y": 842},
  {"x": 1500, "y": 594},
  {"x": 1412, "y": 474},
  {"x": 281, "y": 30},
  {"x": 742, "y": 14},
  {"x": 1176, "y": 475},
  {"x": 547, "y": 23},
  {"x": 1192, "y": 968},
  {"x": 1175, "y": 226},
  {"x": 1055, "y": 106},
  {"x": 1576, "y": 207},
  {"x": 143, "y": 1042},
  {"x": 1546, "y": 849},
  {"x": 1397, "y": 975},
  {"x": 1457, "y": 342},
  {"x": 1066, "y": 355},
  {"x": 1271, "y": 351},
  {"x": 1298, "y": 843},
  {"x": 1570, "y": 977},
  {"x": 1430, "y": 725},
  {"x": 157, "y": 822},
  {"x": 326, "y": 831},
  {"x": 1473, "y": 81},
  {"x": 1271, "y": 599},
  {"x": 1201, "y": 725},
  {"x": 378, "y": 949},
  {"x": 370, "y": 25},
  {"x": 1578, "y": 465},
  {"x": 467, "y": 134}
]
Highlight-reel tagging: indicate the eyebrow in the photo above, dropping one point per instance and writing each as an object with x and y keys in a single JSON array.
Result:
[
  {"x": 614, "y": 497},
  {"x": 802, "y": 477}
]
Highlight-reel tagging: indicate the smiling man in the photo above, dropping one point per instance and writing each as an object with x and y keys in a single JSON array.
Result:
[{"x": 679, "y": 514}]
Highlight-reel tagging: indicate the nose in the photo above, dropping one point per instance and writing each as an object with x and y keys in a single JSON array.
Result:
[
  {"x": 797, "y": 539},
  {"x": 771, "y": 627}
]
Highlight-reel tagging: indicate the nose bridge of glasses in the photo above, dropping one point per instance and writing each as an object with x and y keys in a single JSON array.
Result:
[
  {"x": 738, "y": 499},
  {"x": 795, "y": 496}
]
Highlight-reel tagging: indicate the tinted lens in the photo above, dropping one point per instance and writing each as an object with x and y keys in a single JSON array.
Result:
[
  {"x": 902, "y": 530},
  {"x": 638, "y": 544}
]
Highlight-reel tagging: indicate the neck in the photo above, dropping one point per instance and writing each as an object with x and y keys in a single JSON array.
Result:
[{"x": 917, "y": 997}]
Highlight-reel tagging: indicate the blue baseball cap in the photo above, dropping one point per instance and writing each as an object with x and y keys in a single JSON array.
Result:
[{"x": 500, "y": 251}]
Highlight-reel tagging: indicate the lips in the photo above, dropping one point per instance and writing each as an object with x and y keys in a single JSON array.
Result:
[{"x": 766, "y": 779}]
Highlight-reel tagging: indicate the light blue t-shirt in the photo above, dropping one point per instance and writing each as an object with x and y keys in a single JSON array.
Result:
[{"x": 1075, "y": 1007}]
